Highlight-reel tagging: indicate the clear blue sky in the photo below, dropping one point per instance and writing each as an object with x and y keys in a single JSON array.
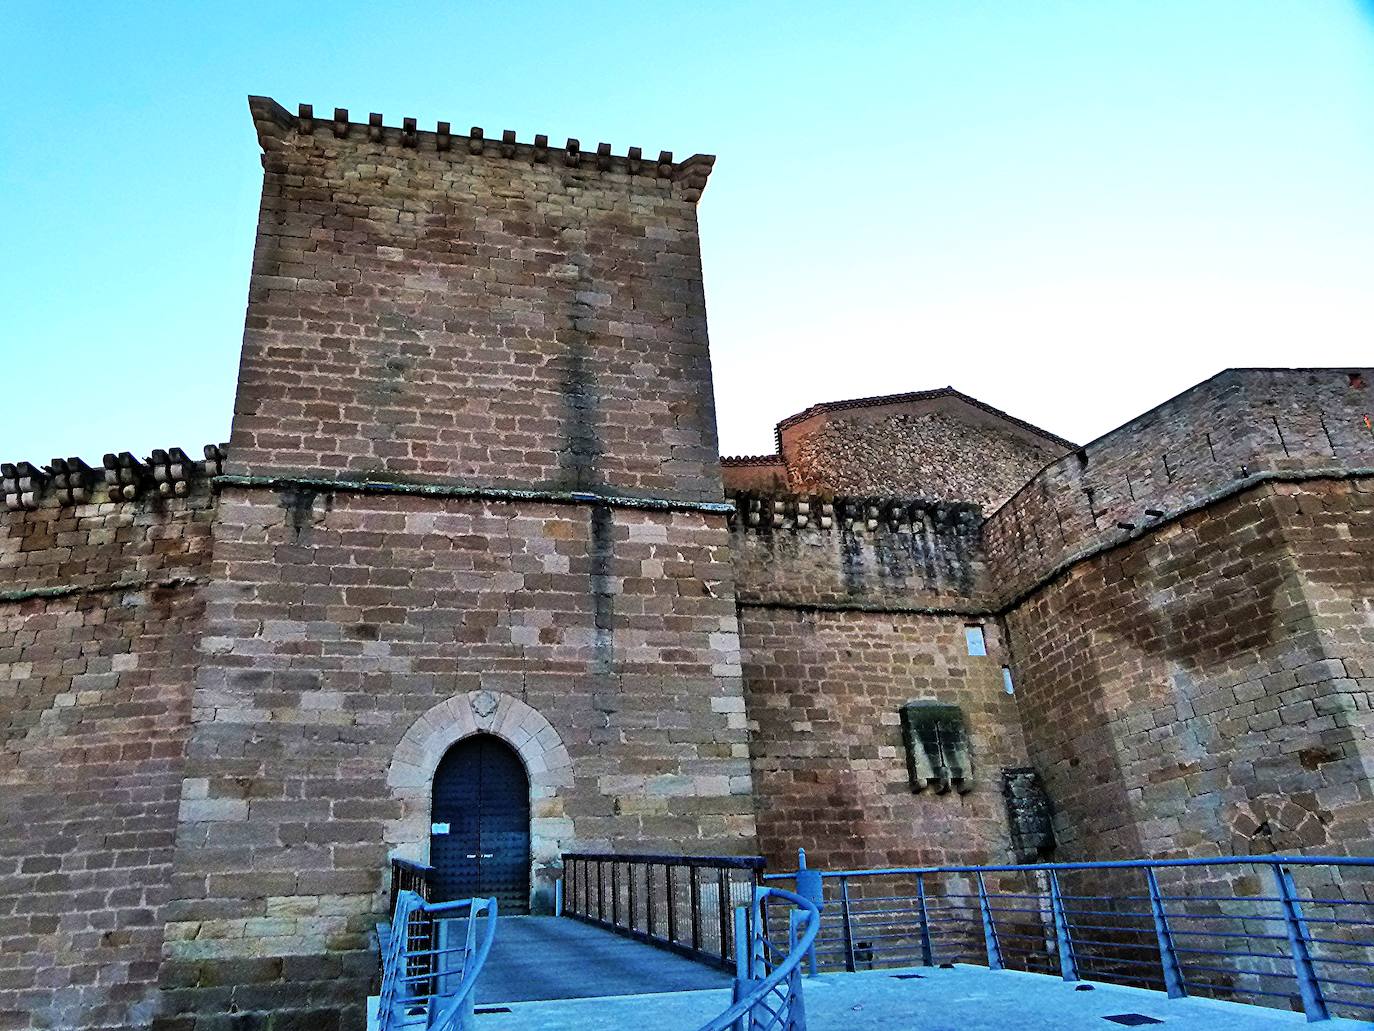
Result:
[{"x": 1069, "y": 209}]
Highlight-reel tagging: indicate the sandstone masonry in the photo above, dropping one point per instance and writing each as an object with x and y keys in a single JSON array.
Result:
[{"x": 472, "y": 487}]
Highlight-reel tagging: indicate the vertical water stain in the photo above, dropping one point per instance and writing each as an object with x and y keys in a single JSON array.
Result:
[{"x": 603, "y": 556}]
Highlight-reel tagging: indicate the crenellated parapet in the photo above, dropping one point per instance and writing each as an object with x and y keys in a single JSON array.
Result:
[
  {"x": 898, "y": 554},
  {"x": 1240, "y": 428},
  {"x": 275, "y": 124},
  {"x": 852, "y": 514},
  {"x": 121, "y": 477}
]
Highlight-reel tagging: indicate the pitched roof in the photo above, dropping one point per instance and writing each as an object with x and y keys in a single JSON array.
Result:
[{"x": 826, "y": 407}]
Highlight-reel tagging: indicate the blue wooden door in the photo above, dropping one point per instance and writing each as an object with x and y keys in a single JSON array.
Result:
[{"x": 480, "y": 824}]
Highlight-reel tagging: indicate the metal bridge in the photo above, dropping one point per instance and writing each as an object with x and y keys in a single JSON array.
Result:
[{"x": 663, "y": 942}]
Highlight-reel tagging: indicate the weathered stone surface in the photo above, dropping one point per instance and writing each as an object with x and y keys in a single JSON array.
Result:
[{"x": 474, "y": 488}]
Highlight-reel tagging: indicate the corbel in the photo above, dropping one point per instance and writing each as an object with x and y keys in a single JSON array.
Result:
[
  {"x": 72, "y": 477},
  {"x": 21, "y": 484}
]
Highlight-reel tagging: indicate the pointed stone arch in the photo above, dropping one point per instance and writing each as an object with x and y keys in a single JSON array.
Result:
[{"x": 411, "y": 774}]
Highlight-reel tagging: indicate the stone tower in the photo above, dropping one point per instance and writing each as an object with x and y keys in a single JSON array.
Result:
[{"x": 474, "y": 487}]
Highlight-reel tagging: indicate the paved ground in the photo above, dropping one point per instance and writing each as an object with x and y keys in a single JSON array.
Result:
[
  {"x": 962, "y": 999},
  {"x": 538, "y": 957}
]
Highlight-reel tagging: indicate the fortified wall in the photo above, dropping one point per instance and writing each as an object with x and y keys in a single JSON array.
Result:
[
  {"x": 1181, "y": 607},
  {"x": 851, "y": 609},
  {"x": 101, "y": 573},
  {"x": 1187, "y": 601},
  {"x": 472, "y": 488}
]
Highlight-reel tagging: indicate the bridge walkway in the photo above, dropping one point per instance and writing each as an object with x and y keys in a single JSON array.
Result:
[
  {"x": 922, "y": 999},
  {"x": 544, "y": 958}
]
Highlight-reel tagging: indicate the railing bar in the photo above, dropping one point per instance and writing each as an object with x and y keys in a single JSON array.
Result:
[
  {"x": 1236, "y": 954},
  {"x": 1345, "y": 962},
  {"x": 1221, "y": 898},
  {"x": 1112, "y": 945},
  {"x": 1221, "y": 916},
  {"x": 1350, "y": 1002},
  {"x": 1106, "y": 961},
  {"x": 1145, "y": 931},
  {"x": 1241, "y": 970},
  {"x": 1340, "y": 921},
  {"x": 1234, "y": 934},
  {"x": 1351, "y": 984},
  {"x": 1337, "y": 941},
  {"x": 1247, "y": 991}
]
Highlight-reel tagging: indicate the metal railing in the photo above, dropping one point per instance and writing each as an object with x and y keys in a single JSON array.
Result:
[
  {"x": 409, "y": 876},
  {"x": 682, "y": 903},
  {"x": 427, "y": 983},
  {"x": 768, "y": 982},
  {"x": 1295, "y": 931}
]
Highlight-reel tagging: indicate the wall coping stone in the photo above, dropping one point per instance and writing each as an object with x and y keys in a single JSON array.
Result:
[{"x": 441, "y": 490}]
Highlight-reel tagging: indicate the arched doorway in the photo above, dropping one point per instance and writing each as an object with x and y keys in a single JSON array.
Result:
[{"x": 479, "y": 841}]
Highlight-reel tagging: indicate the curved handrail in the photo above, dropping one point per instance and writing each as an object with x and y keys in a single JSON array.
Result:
[
  {"x": 788, "y": 970},
  {"x": 1104, "y": 864},
  {"x": 455, "y": 1009}
]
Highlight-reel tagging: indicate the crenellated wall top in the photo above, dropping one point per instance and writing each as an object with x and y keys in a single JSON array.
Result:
[
  {"x": 275, "y": 125},
  {"x": 119, "y": 477}
]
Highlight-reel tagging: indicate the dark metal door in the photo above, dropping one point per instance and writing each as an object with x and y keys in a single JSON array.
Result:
[{"x": 480, "y": 824}]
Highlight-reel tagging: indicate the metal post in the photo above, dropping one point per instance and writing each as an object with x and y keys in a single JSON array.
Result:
[
  {"x": 845, "y": 916},
  {"x": 758, "y": 951},
  {"x": 1313, "y": 1004},
  {"x": 649, "y": 898},
  {"x": 741, "y": 943},
  {"x": 600, "y": 892},
  {"x": 694, "y": 893},
  {"x": 994, "y": 947},
  {"x": 1063, "y": 934},
  {"x": 634, "y": 910},
  {"x": 1168, "y": 955},
  {"x": 722, "y": 878},
  {"x": 927, "y": 954},
  {"x": 615, "y": 893},
  {"x": 669, "y": 889},
  {"x": 558, "y": 897}
]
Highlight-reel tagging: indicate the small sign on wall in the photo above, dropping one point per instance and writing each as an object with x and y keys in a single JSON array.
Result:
[{"x": 438, "y": 828}]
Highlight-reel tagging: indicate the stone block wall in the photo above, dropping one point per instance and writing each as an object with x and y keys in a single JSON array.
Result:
[
  {"x": 100, "y": 613},
  {"x": 763, "y": 474},
  {"x": 849, "y": 609},
  {"x": 937, "y": 444},
  {"x": 1205, "y": 689},
  {"x": 345, "y": 631},
  {"x": 848, "y": 552},
  {"x": 825, "y": 691},
  {"x": 474, "y": 486},
  {"x": 1234, "y": 428},
  {"x": 443, "y": 308}
]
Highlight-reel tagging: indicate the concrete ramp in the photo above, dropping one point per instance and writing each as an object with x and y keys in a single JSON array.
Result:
[{"x": 539, "y": 958}]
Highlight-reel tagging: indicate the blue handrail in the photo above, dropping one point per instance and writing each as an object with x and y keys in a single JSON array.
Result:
[
  {"x": 1225, "y": 932},
  {"x": 415, "y": 978},
  {"x": 769, "y": 1000},
  {"x": 1106, "y": 864}
]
